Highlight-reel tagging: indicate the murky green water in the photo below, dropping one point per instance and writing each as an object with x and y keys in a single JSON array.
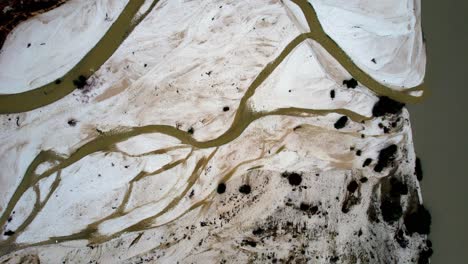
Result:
[{"x": 440, "y": 127}]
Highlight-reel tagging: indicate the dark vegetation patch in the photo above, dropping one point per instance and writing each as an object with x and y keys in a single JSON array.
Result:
[
  {"x": 367, "y": 162},
  {"x": 80, "y": 82},
  {"x": 221, "y": 188},
  {"x": 332, "y": 94},
  {"x": 245, "y": 189},
  {"x": 391, "y": 190},
  {"x": 385, "y": 106},
  {"x": 258, "y": 231},
  {"x": 308, "y": 208},
  {"x": 191, "y": 130},
  {"x": 418, "y": 169},
  {"x": 9, "y": 233},
  {"x": 58, "y": 81},
  {"x": 72, "y": 122},
  {"x": 372, "y": 209},
  {"x": 351, "y": 83},
  {"x": 304, "y": 207},
  {"x": 294, "y": 178},
  {"x": 251, "y": 243},
  {"x": 363, "y": 179},
  {"x": 226, "y": 108},
  {"x": 400, "y": 239},
  {"x": 424, "y": 256},
  {"x": 398, "y": 188},
  {"x": 341, "y": 122},
  {"x": 418, "y": 221},
  {"x": 391, "y": 209},
  {"x": 358, "y": 152},
  {"x": 352, "y": 186},
  {"x": 372, "y": 214},
  {"x": 349, "y": 202},
  {"x": 374, "y": 61},
  {"x": 386, "y": 156}
]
